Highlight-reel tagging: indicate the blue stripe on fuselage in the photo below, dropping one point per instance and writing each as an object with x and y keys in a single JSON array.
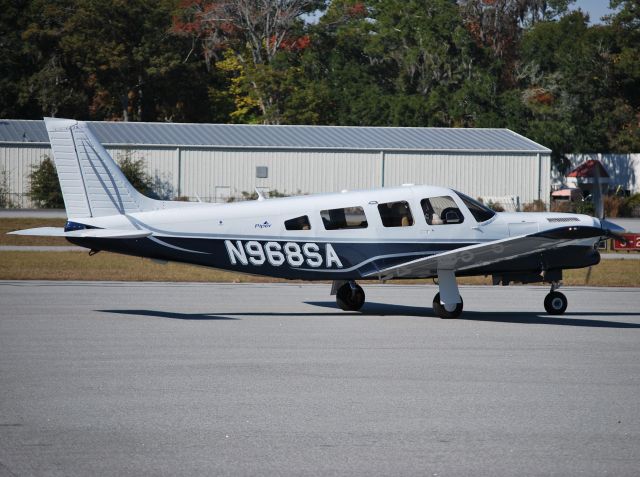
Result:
[{"x": 308, "y": 260}]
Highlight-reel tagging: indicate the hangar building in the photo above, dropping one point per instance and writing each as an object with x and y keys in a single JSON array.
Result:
[{"x": 215, "y": 162}]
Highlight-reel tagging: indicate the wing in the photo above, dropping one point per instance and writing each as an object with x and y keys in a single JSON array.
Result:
[
  {"x": 84, "y": 233},
  {"x": 488, "y": 253}
]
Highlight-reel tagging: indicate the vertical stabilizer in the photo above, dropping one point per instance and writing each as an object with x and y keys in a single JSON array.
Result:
[{"x": 92, "y": 183}]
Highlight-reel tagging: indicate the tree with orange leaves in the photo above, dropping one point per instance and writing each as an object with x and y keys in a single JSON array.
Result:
[{"x": 255, "y": 31}]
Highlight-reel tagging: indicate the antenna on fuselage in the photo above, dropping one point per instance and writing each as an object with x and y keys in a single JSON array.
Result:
[{"x": 260, "y": 194}]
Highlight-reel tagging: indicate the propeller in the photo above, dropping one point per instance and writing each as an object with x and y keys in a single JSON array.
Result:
[
  {"x": 609, "y": 229},
  {"x": 596, "y": 193}
]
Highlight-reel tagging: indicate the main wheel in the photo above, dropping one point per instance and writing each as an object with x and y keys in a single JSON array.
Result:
[
  {"x": 442, "y": 312},
  {"x": 348, "y": 299},
  {"x": 555, "y": 303}
]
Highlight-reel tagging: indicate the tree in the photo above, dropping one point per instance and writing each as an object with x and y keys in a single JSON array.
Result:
[
  {"x": 133, "y": 170},
  {"x": 45, "y": 189},
  {"x": 106, "y": 59},
  {"x": 255, "y": 32},
  {"x": 5, "y": 199},
  {"x": 52, "y": 83},
  {"x": 567, "y": 85},
  {"x": 624, "y": 131}
]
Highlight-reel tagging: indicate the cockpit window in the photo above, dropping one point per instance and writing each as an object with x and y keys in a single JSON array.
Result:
[
  {"x": 299, "y": 223},
  {"x": 395, "y": 214},
  {"x": 346, "y": 218},
  {"x": 480, "y": 212},
  {"x": 441, "y": 210}
]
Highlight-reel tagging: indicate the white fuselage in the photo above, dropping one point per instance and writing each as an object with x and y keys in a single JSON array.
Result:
[{"x": 254, "y": 237}]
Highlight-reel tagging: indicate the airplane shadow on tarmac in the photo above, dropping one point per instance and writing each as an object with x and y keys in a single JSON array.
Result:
[
  {"x": 385, "y": 309},
  {"x": 170, "y": 314}
]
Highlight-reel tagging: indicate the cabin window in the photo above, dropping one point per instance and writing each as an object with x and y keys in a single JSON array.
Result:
[
  {"x": 298, "y": 223},
  {"x": 441, "y": 210},
  {"x": 346, "y": 218},
  {"x": 480, "y": 212},
  {"x": 395, "y": 214}
]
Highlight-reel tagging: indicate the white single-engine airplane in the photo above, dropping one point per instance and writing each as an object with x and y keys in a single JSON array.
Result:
[{"x": 402, "y": 232}]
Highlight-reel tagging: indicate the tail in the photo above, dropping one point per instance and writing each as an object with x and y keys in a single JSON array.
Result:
[{"x": 92, "y": 183}]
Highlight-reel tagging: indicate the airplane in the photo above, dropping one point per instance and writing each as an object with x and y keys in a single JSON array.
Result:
[{"x": 413, "y": 231}]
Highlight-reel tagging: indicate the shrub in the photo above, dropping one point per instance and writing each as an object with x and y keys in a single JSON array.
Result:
[
  {"x": 631, "y": 207},
  {"x": 133, "y": 170},
  {"x": 535, "y": 206},
  {"x": 495, "y": 206},
  {"x": 563, "y": 206},
  {"x": 272, "y": 194},
  {"x": 45, "y": 190},
  {"x": 5, "y": 200},
  {"x": 586, "y": 208},
  {"x": 613, "y": 206}
]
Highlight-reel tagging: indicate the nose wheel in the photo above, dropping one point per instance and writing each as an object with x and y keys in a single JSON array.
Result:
[{"x": 555, "y": 303}]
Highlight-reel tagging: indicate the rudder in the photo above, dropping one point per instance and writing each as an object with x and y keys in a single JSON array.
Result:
[{"x": 92, "y": 183}]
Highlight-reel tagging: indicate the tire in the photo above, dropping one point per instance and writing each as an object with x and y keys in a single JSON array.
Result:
[
  {"x": 442, "y": 312},
  {"x": 348, "y": 299},
  {"x": 555, "y": 303}
]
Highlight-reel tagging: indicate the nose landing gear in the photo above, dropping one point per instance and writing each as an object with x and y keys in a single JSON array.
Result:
[{"x": 555, "y": 302}]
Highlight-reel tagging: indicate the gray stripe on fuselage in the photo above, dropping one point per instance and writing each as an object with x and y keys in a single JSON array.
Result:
[
  {"x": 157, "y": 240},
  {"x": 369, "y": 260}
]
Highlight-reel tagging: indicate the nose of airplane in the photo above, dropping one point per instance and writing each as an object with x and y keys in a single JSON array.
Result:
[{"x": 609, "y": 228}]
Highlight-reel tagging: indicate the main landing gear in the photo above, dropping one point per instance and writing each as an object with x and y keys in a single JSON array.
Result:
[
  {"x": 555, "y": 302},
  {"x": 447, "y": 303},
  {"x": 441, "y": 310},
  {"x": 349, "y": 295}
]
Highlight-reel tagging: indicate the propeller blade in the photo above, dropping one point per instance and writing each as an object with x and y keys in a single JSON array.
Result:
[
  {"x": 598, "y": 203},
  {"x": 611, "y": 230}
]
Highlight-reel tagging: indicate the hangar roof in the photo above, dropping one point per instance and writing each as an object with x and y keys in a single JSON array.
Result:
[{"x": 285, "y": 137}]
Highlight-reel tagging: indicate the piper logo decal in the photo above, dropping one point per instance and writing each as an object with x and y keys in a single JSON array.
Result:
[
  {"x": 276, "y": 254},
  {"x": 263, "y": 225}
]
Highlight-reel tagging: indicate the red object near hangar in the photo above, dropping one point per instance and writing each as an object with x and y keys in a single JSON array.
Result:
[{"x": 632, "y": 242}]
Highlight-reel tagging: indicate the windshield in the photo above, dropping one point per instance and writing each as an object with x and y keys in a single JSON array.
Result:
[{"x": 479, "y": 211}]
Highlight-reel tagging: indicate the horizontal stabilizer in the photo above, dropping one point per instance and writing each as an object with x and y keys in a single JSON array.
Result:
[{"x": 84, "y": 233}]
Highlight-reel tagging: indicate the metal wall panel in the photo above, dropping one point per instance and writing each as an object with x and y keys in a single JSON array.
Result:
[
  {"x": 203, "y": 171},
  {"x": 526, "y": 176},
  {"x": 161, "y": 164},
  {"x": 16, "y": 162},
  {"x": 289, "y": 172}
]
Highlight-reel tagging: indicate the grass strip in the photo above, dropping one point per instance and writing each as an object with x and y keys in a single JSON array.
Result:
[
  {"x": 12, "y": 224},
  {"x": 113, "y": 267}
]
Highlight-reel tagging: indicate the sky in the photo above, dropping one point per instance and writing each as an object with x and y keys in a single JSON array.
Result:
[{"x": 595, "y": 8}]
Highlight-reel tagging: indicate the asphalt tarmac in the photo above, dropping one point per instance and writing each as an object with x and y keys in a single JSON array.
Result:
[{"x": 248, "y": 379}]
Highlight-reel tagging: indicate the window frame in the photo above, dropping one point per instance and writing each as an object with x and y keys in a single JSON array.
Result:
[
  {"x": 404, "y": 203},
  {"x": 327, "y": 222},
  {"x": 430, "y": 220},
  {"x": 466, "y": 200},
  {"x": 291, "y": 220}
]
